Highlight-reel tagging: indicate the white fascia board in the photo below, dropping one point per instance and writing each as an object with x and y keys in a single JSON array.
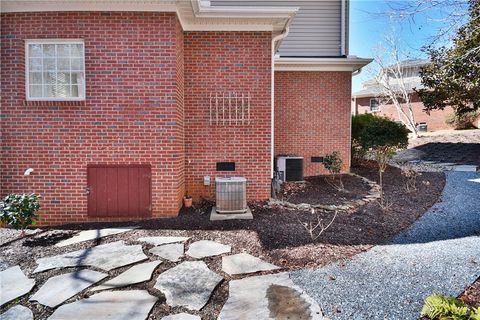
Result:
[
  {"x": 87, "y": 5},
  {"x": 320, "y": 64},
  {"x": 202, "y": 9}
]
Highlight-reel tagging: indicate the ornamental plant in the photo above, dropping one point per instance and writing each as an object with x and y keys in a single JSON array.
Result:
[
  {"x": 438, "y": 307},
  {"x": 359, "y": 122},
  {"x": 19, "y": 210},
  {"x": 333, "y": 163},
  {"x": 382, "y": 138}
]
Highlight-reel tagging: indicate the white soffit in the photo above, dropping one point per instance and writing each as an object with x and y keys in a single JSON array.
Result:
[
  {"x": 194, "y": 15},
  {"x": 320, "y": 64}
]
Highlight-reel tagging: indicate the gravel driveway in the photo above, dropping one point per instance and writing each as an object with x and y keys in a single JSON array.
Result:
[{"x": 440, "y": 253}]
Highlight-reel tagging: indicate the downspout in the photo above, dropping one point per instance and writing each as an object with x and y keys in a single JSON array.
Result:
[
  {"x": 343, "y": 29},
  {"x": 275, "y": 39}
]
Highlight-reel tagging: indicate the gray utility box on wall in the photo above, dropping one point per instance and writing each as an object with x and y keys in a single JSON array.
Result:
[{"x": 231, "y": 194}]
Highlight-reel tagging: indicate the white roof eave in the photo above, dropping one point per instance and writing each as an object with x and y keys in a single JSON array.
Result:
[
  {"x": 350, "y": 64},
  {"x": 194, "y": 15}
]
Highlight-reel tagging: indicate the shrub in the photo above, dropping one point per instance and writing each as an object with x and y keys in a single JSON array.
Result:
[
  {"x": 19, "y": 210},
  {"x": 463, "y": 120},
  {"x": 383, "y": 137},
  {"x": 438, "y": 307},
  {"x": 358, "y": 124},
  {"x": 333, "y": 163}
]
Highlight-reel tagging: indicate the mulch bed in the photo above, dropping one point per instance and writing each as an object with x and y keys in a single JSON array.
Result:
[
  {"x": 324, "y": 190},
  {"x": 460, "y": 147},
  {"x": 275, "y": 235},
  {"x": 471, "y": 296}
]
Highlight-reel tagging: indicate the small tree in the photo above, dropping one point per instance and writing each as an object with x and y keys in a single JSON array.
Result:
[
  {"x": 383, "y": 138},
  {"x": 333, "y": 163},
  {"x": 19, "y": 210}
]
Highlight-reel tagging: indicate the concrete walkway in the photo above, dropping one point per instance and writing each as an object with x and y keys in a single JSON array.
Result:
[{"x": 439, "y": 253}]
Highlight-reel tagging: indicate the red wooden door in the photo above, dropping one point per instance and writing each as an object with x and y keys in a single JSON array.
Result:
[{"x": 119, "y": 191}]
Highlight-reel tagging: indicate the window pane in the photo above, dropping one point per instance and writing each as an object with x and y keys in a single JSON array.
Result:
[
  {"x": 35, "y": 91},
  {"x": 50, "y": 78},
  {"x": 77, "y": 64},
  {"x": 49, "y": 91},
  {"x": 35, "y": 64},
  {"x": 77, "y": 78},
  {"x": 77, "y": 50},
  {"x": 35, "y": 50},
  {"x": 63, "y": 91},
  {"x": 35, "y": 78},
  {"x": 49, "y": 64},
  {"x": 63, "y": 50},
  {"x": 63, "y": 77},
  {"x": 49, "y": 50},
  {"x": 75, "y": 91},
  {"x": 63, "y": 64},
  {"x": 78, "y": 91}
]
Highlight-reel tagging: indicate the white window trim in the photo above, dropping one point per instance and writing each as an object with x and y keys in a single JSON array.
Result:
[
  {"x": 27, "y": 74},
  {"x": 370, "y": 105}
]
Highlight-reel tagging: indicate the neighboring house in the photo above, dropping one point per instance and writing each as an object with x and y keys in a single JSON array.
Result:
[
  {"x": 123, "y": 107},
  {"x": 370, "y": 99}
]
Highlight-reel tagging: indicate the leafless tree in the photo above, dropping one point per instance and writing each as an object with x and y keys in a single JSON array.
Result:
[
  {"x": 394, "y": 88},
  {"x": 317, "y": 226},
  {"x": 449, "y": 15}
]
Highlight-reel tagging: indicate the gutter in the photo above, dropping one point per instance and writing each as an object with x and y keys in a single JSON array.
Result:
[{"x": 275, "y": 44}]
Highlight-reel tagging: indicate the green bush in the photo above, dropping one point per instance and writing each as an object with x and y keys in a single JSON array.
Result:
[
  {"x": 463, "y": 120},
  {"x": 382, "y": 138},
  {"x": 358, "y": 124},
  {"x": 438, "y": 307},
  {"x": 333, "y": 163},
  {"x": 19, "y": 210}
]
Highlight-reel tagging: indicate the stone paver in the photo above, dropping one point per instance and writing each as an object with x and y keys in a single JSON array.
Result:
[
  {"x": 156, "y": 241},
  {"x": 181, "y": 316},
  {"x": 14, "y": 284},
  {"x": 17, "y": 312},
  {"x": 188, "y": 285},
  {"x": 171, "y": 252},
  {"x": 207, "y": 248},
  {"x": 244, "y": 263},
  {"x": 108, "y": 305},
  {"x": 106, "y": 256},
  {"x": 136, "y": 274},
  {"x": 268, "y": 297},
  {"x": 215, "y": 216},
  {"x": 438, "y": 253},
  {"x": 60, "y": 288},
  {"x": 92, "y": 235}
]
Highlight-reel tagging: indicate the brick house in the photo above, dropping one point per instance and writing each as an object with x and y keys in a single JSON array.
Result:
[
  {"x": 122, "y": 107},
  {"x": 369, "y": 99}
]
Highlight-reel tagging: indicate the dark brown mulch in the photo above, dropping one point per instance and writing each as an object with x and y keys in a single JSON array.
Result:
[
  {"x": 460, "y": 147},
  {"x": 471, "y": 296},
  {"x": 324, "y": 190},
  {"x": 275, "y": 235}
]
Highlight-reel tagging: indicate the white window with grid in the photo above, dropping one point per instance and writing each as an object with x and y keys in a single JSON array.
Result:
[{"x": 55, "y": 70}]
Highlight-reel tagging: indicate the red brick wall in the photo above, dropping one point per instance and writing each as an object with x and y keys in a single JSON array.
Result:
[
  {"x": 227, "y": 62},
  {"x": 435, "y": 121},
  {"x": 132, "y": 115},
  {"x": 312, "y": 116}
]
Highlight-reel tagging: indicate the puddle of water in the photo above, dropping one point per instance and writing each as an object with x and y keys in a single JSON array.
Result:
[{"x": 286, "y": 303}]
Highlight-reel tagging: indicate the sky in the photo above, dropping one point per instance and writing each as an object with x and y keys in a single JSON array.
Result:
[{"x": 369, "y": 25}]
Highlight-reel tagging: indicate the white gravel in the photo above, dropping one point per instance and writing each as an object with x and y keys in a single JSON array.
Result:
[{"x": 439, "y": 253}]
